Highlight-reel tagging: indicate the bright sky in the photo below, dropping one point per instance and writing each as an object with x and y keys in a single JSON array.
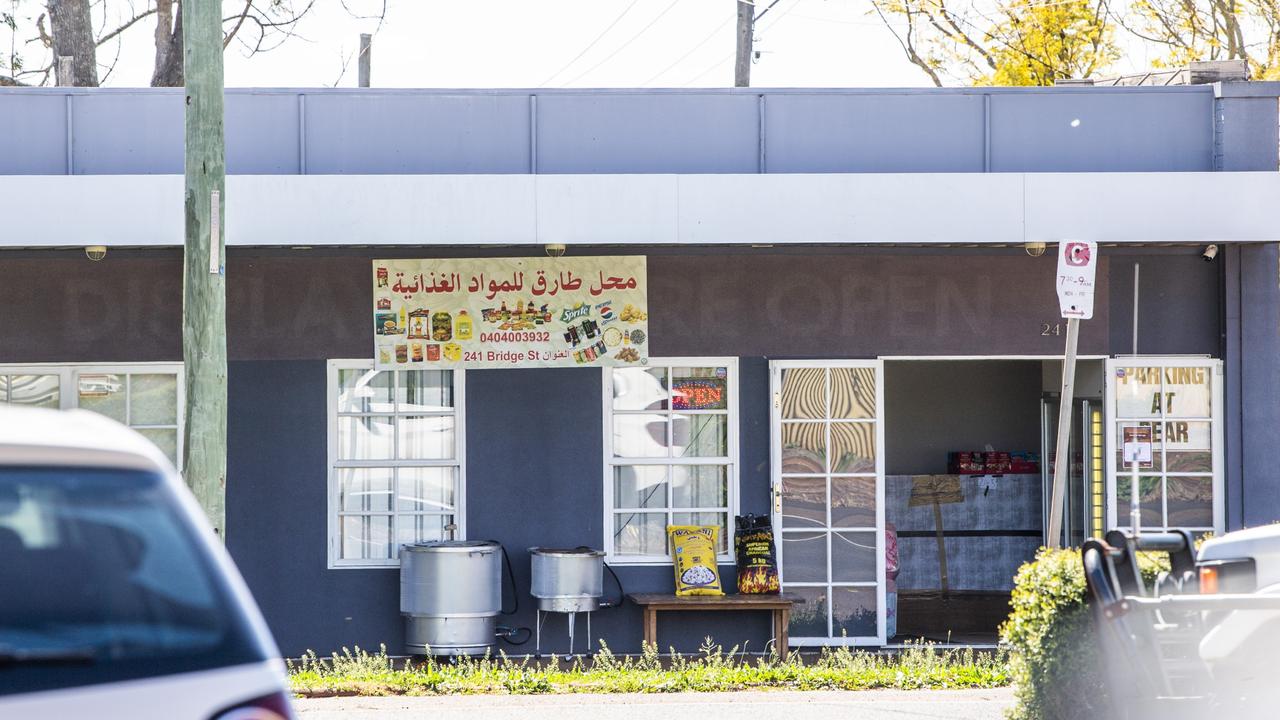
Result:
[{"x": 561, "y": 43}]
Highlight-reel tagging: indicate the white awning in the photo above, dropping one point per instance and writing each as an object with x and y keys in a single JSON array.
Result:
[{"x": 769, "y": 209}]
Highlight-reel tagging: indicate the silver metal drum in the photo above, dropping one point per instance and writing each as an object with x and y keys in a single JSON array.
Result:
[
  {"x": 450, "y": 596},
  {"x": 567, "y": 580}
]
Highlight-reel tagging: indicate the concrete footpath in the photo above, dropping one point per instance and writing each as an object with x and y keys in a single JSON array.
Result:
[{"x": 758, "y": 705}]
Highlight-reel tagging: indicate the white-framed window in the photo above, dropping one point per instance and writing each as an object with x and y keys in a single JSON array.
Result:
[
  {"x": 147, "y": 397},
  {"x": 396, "y": 461},
  {"x": 670, "y": 454}
]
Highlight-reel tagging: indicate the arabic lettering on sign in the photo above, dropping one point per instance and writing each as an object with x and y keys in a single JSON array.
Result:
[{"x": 505, "y": 312}]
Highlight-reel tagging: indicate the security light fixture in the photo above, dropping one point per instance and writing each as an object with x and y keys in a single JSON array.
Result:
[
  {"x": 1034, "y": 249},
  {"x": 95, "y": 252},
  {"x": 554, "y": 250},
  {"x": 1210, "y": 253}
]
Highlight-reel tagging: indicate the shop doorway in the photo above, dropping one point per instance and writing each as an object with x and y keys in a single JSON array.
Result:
[
  {"x": 828, "y": 484},
  {"x": 969, "y": 446}
]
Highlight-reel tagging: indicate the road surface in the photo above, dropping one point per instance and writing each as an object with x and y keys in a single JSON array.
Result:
[{"x": 865, "y": 705}]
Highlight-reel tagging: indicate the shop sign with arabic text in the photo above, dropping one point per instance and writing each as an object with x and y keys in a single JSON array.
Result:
[{"x": 510, "y": 312}]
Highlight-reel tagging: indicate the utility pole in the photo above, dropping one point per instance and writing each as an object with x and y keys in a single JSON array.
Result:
[
  {"x": 204, "y": 299},
  {"x": 746, "y": 26},
  {"x": 366, "y": 48}
]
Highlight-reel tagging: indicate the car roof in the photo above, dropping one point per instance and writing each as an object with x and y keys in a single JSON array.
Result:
[{"x": 34, "y": 436}]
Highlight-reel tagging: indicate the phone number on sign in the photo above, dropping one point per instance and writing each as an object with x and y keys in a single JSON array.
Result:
[{"x": 515, "y": 336}]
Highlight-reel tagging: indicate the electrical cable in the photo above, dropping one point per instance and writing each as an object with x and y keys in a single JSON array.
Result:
[
  {"x": 624, "y": 45},
  {"x": 590, "y": 45},
  {"x": 694, "y": 49}
]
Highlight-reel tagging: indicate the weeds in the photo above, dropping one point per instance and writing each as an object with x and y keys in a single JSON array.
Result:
[{"x": 712, "y": 669}]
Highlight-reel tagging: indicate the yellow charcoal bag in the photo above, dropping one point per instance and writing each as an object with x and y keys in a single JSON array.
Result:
[{"x": 693, "y": 552}]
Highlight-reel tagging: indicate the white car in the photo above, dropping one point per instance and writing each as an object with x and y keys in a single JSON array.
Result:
[{"x": 116, "y": 598}]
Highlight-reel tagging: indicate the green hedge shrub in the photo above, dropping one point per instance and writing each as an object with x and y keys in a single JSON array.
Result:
[{"x": 1053, "y": 648}]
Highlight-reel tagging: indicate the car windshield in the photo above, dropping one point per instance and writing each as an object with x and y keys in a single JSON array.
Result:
[{"x": 101, "y": 579}]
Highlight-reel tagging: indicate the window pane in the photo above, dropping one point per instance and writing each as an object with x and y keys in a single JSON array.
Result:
[
  {"x": 364, "y": 489},
  {"x": 853, "y": 557},
  {"x": 1187, "y": 392},
  {"x": 804, "y": 448},
  {"x": 853, "y": 447},
  {"x": 853, "y": 612},
  {"x": 804, "y": 502},
  {"x": 103, "y": 394},
  {"x": 367, "y": 538},
  {"x": 804, "y": 393},
  {"x": 1150, "y": 499},
  {"x": 421, "y": 528},
  {"x": 1190, "y": 501},
  {"x": 853, "y": 502},
  {"x": 640, "y": 534},
  {"x": 853, "y": 392},
  {"x": 804, "y": 556},
  {"x": 809, "y": 614},
  {"x": 165, "y": 439},
  {"x": 429, "y": 437},
  {"x": 34, "y": 390},
  {"x": 1121, "y": 465},
  {"x": 640, "y": 436},
  {"x": 640, "y": 388},
  {"x": 1137, "y": 392},
  {"x": 700, "y": 435},
  {"x": 425, "y": 390},
  {"x": 364, "y": 391},
  {"x": 426, "y": 489},
  {"x": 720, "y": 520},
  {"x": 705, "y": 486},
  {"x": 1187, "y": 445},
  {"x": 365, "y": 438},
  {"x": 153, "y": 399},
  {"x": 700, "y": 388},
  {"x": 640, "y": 486}
]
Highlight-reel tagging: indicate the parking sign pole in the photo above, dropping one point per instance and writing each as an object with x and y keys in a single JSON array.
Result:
[{"x": 1061, "y": 454}]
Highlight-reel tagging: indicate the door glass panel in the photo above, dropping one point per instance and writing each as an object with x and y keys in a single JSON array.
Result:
[
  {"x": 809, "y": 614},
  {"x": 1190, "y": 501},
  {"x": 1150, "y": 500},
  {"x": 804, "y": 502},
  {"x": 853, "y": 447},
  {"x": 853, "y": 557},
  {"x": 700, "y": 388},
  {"x": 853, "y": 501},
  {"x": 853, "y": 393},
  {"x": 1187, "y": 392},
  {"x": 1157, "y": 460},
  {"x": 1137, "y": 392},
  {"x": 804, "y": 556},
  {"x": 1187, "y": 445},
  {"x": 804, "y": 393},
  {"x": 804, "y": 447},
  {"x": 853, "y": 611}
]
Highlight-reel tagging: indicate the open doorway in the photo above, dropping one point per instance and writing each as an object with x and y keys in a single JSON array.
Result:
[{"x": 966, "y": 485}]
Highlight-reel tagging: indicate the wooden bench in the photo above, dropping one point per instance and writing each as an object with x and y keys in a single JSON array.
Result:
[{"x": 778, "y": 605}]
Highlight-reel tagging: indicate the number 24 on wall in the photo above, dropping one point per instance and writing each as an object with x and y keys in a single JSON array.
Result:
[{"x": 1048, "y": 329}]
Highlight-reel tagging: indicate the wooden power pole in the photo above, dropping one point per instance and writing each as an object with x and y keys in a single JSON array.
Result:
[
  {"x": 204, "y": 298},
  {"x": 746, "y": 26},
  {"x": 366, "y": 59}
]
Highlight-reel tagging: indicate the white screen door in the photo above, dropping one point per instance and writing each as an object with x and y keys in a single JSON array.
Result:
[
  {"x": 827, "y": 452},
  {"x": 1181, "y": 400}
]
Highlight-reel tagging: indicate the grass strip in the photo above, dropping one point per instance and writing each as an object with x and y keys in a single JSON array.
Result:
[{"x": 922, "y": 666}]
